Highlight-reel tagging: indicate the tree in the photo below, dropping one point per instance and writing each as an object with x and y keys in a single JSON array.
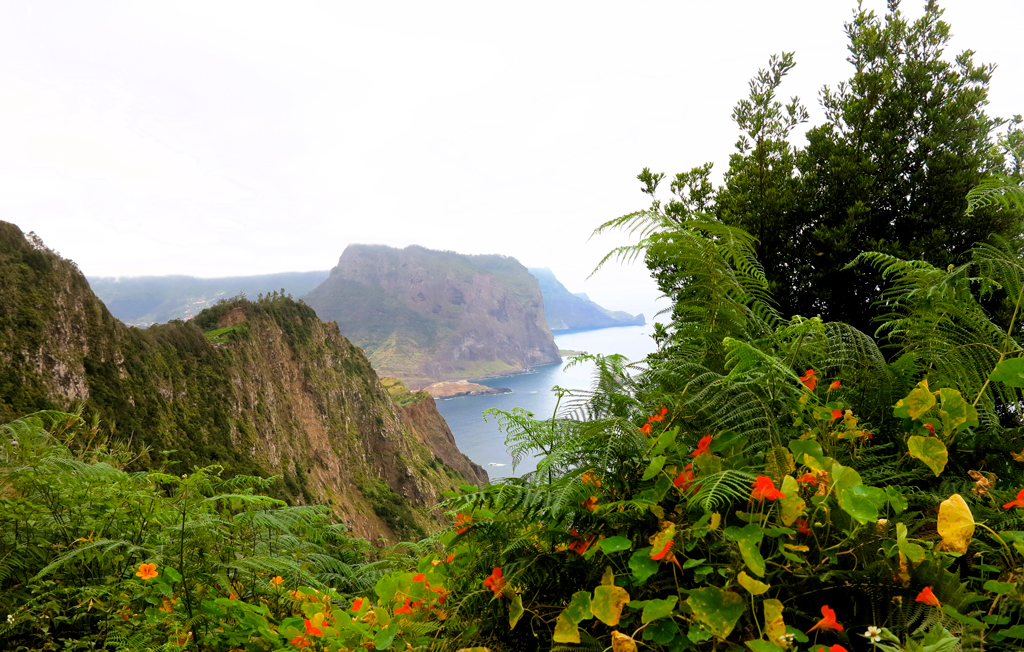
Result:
[{"x": 905, "y": 139}]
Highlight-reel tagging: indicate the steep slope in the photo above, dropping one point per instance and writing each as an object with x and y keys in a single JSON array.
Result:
[
  {"x": 424, "y": 316},
  {"x": 566, "y": 310},
  {"x": 145, "y": 300},
  {"x": 267, "y": 389}
]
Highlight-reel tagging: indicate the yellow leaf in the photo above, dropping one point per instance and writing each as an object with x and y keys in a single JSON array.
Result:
[
  {"x": 622, "y": 643},
  {"x": 566, "y": 631},
  {"x": 1018, "y": 457},
  {"x": 796, "y": 547},
  {"x": 956, "y": 524},
  {"x": 774, "y": 626},
  {"x": 609, "y": 576},
  {"x": 792, "y": 506},
  {"x": 608, "y": 603},
  {"x": 849, "y": 420},
  {"x": 904, "y": 573},
  {"x": 754, "y": 587},
  {"x": 716, "y": 520}
]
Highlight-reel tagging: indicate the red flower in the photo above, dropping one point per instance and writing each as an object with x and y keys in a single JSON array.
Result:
[
  {"x": 646, "y": 429},
  {"x": 865, "y": 435},
  {"x": 495, "y": 582},
  {"x": 837, "y": 414},
  {"x": 300, "y": 642},
  {"x": 663, "y": 411},
  {"x": 462, "y": 523},
  {"x": 590, "y": 503},
  {"x": 311, "y": 629},
  {"x": 702, "y": 446},
  {"x": 828, "y": 622},
  {"x": 449, "y": 559},
  {"x": 808, "y": 477},
  {"x": 926, "y": 596},
  {"x": 357, "y": 604},
  {"x": 580, "y": 544},
  {"x": 684, "y": 478},
  {"x": 1016, "y": 503},
  {"x": 765, "y": 488},
  {"x": 405, "y": 608},
  {"x": 930, "y": 428},
  {"x": 835, "y": 648},
  {"x": 664, "y": 551},
  {"x": 810, "y": 379},
  {"x": 654, "y": 417},
  {"x": 419, "y": 577},
  {"x": 802, "y": 527},
  {"x": 834, "y": 385}
]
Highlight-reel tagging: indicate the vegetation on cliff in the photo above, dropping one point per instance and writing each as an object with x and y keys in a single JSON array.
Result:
[{"x": 423, "y": 316}]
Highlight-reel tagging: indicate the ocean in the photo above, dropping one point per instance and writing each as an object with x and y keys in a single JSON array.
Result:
[{"x": 483, "y": 441}]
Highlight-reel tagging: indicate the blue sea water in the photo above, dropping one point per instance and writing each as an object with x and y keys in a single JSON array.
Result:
[{"x": 484, "y": 442}]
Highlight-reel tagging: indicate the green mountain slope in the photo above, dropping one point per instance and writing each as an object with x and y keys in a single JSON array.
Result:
[
  {"x": 259, "y": 387},
  {"x": 565, "y": 310},
  {"x": 145, "y": 300},
  {"x": 424, "y": 315}
]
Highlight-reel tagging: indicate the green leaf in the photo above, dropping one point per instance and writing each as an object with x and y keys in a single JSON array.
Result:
[
  {"x": 566, "y": 631},
  {"x": 642, "y": 565},
  {"x": 386, "y": 636},
  {"x": 749, "y": 540},
  {"x": 515, "y": 611},
  {"x": 667, "y": 437},
  {"x": 757, "y": 645},
  {"x": 954, "y": 411},
  {"x": 808, "y": 452},
  {"x": 919, "y": 401},
  {"x": 717, "y": 610},
  {"x": 171, "y": 573},
  {"x": 960, "y": 618},
  {"x": 608, "y": 603},
  {"x": 911, "y": 551},
  {"x": 1010, "y": 372},
  {"x": 792, "y": 506},
  {"x": 929, "y": 450},
  {"x": 654, "y": 468},
  {"x": 656, "y": 609},
  {"x": 1017, "y": 631},
  {"x": 861, "y": 502},
  {"x": 663, "y": 631},
  {"x": 579, "y": 607},
  {"x": 1000, "y": 588},
  {"x": 896, "y": 500},
  {"x": 614, "y": 544}
]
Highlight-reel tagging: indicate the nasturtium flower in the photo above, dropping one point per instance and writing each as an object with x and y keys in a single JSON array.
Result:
[
  {"x": 590, "y": 503},
  {"x": 277, "y": 581},
  {"x": 357, "y": 604},
  {"x": 147, "y": 571},
  {"x": 646, "y": 428},
  {"x": 834, "y": 648},
  {"x": 926, "y": 596},
  {"x": 835, "y": 385},
  {"x": 837, "y": 414},
  {"x": 1019, "y": 502},
  {"x": 419, "y": 577},
  {"x": 590, "y": 478},
  {"x": 462, "y": 523},
  {"x": 702, "y": 446},
  {"x": 808, "y": 477},
  {"x": 661, "y": 554},
  {"x": 685, "y": 477},
  {"x": 810, "y": 379},
  {"x": 298, "y": 641},
  {"x": 802, "y": 527},
  {"x": 930, "y": 428},
  {"x": 765, "y": 488},
  {"x": 495, "y": 582},
  {"x": 663, "y": 411},
  {"x": 313, "y": 627},
  {"x": 828, "y": 621},
  {"x": 405, "y": 608}
]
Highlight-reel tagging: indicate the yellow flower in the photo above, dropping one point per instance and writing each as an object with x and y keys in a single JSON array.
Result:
[{"x": 147, "y": 571}]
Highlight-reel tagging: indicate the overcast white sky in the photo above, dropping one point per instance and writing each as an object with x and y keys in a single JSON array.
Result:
[{"x": 226, "y": 138}]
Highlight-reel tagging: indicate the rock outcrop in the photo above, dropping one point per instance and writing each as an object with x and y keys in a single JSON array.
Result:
[
  {"x": 566, "y": 310},
  {"x": 263, "y": 387},
  {"x": 424, "y": 316}
]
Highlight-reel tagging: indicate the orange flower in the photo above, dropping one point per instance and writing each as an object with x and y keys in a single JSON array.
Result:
[
  {"x": 808, "y": 477},
  {"x": 654, "y": 417},
  {"x": 590, "y": 478},
  {"x": 865, "y": 435},
  {"x": 405, "y": 608},
  {"x": 419, "y": 577},
  {"x": 462, "y": 523},
  {"x": 664, "y": 551},
  {"x": 1016, "y": 503},
  {"x": 802, "y": 527},
  {"x": 233, "y": 596},
  {"x": 449, "y": 559},
  {"x": 357, "y": 604},
  {"x": 926, "y": 596},
  {"x": 837, "y": 414},
  {"x": 810, "y": 379},
  {"x": 685, "y": 477},
  {"x": 580, "y": 544},
  {"x": 828, "y": 622},
  {"x": 646, "y": 429},
  {"x": 765, "y": 488},
  {"x": 835, "y": 648},
  {"x": 311, "y": 629},
  {"x": 495, "y": 582},
  {"x": 663, "y": 411},
  {"x": 930, "y": 428},
  {"x": 590, "y": 503},
  {"x": 300, "y": 642},
  {"x": 147, "y": 571},
  {"x": 277, "y": 581},
  {"x": 834, "y": 385},
  {"x": 702, "y": 446}
]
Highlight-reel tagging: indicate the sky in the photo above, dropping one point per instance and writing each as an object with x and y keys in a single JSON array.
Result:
[{"x": 235, "y": 138}]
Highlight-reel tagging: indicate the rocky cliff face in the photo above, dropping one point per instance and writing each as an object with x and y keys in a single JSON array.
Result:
[
  {"x": 424, "y": 316},
  {"x": 566, "y": 310},
  {"x": 259, "y": 387}
]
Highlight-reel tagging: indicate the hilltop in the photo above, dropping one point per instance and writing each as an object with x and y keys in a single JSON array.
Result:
[
  {"x": 425, "y": 316},
  {"x": 566, "y": 310}
]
